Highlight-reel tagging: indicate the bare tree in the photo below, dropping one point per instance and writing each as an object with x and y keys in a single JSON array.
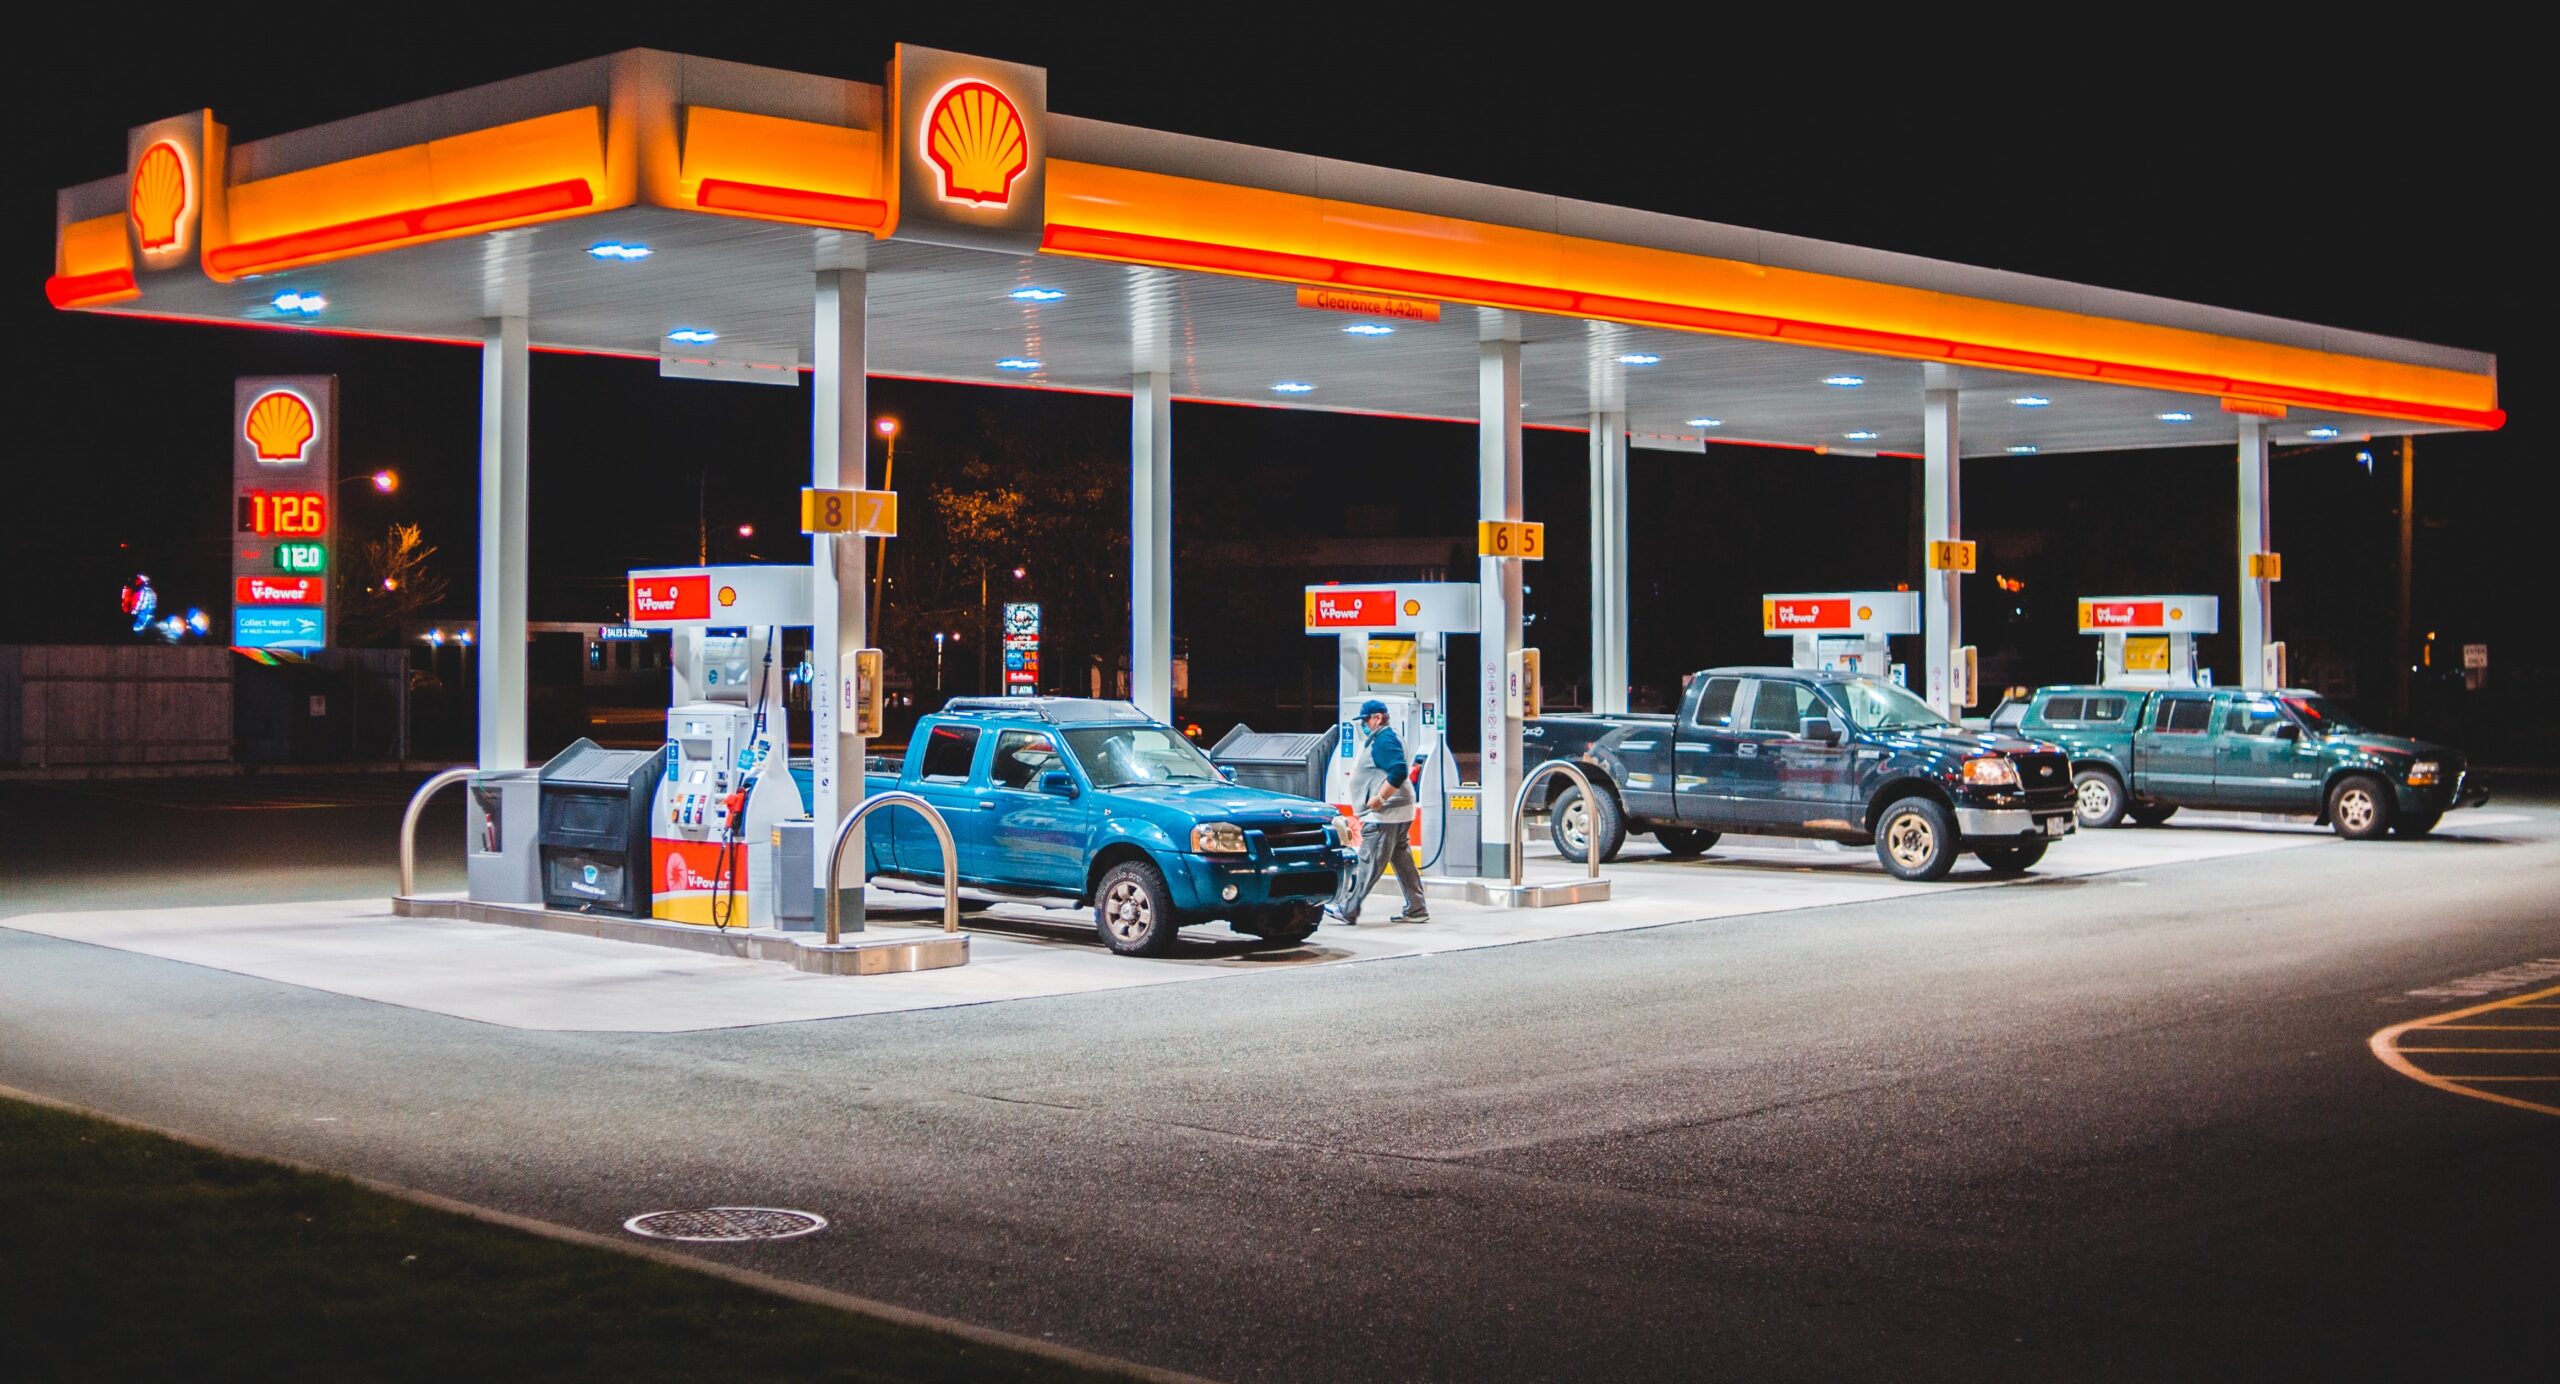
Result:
[{"x": 391, "y": 583}]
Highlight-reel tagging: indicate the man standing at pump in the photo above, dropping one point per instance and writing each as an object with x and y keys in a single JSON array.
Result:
[{"x": 1381, "y": 787}]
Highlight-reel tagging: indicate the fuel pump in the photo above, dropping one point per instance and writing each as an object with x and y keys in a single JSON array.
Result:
[
  {"x": 726, "y": 781},
  {"x": 1392, "y": 645},
  {"x": 2150, "y": 641},
  {"x": 1847, "y": 631}
]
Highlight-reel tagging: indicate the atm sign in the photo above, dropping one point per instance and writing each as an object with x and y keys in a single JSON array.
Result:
[
  {"x": 2121, "y": 615},
  {"x": 280, "y": 591},
  {"x": 1829, "y": 614},
  {"x": 1349, "y": 609},
  {"x": 670, "y": 598}
]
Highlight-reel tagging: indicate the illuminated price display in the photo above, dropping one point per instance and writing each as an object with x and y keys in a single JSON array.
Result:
[
  {"x": 302, "y": 557},
  {"x": 284, "y": 513}
]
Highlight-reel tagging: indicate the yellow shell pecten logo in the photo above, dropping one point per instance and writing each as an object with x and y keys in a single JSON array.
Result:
[
  {"x": 157, "y": 201},
  {"x": 975, "y": 136},
  {"x": 279, "y": 426}
]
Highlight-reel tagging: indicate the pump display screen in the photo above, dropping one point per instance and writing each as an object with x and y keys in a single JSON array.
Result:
[{"x": 284, "y": 513}]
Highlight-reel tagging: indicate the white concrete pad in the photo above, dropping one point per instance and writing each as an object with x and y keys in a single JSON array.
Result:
[{"x": 531, "y": 979}]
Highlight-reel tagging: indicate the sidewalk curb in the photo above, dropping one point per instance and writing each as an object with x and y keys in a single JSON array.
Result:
[{"x": 749, "y": 1278}]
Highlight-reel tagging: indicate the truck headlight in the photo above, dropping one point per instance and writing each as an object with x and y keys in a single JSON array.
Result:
[
  {"x": 1218, "y": 838},
  {"x": 1994, "y": 771},
  {"x": 2423, "y": 773}
]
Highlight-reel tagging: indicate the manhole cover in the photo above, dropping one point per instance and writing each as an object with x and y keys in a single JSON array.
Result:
[{"x": 726, "y": 1223}]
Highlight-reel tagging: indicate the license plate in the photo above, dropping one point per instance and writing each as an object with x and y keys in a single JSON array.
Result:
[{"x": 2056, "y": 826}]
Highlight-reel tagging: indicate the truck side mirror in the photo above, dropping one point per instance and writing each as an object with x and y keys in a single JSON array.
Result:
[
  {"x": 1821, "y": 728},
  {"x": 1059, "y": 782},
  {"x": 1227, "y": 772}
]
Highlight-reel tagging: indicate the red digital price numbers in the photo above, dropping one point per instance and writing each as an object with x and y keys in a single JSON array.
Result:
[{"x": 284, "y": 513}]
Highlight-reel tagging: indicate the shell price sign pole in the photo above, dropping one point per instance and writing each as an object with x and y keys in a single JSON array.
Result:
[{"x": 284, "y": 474}]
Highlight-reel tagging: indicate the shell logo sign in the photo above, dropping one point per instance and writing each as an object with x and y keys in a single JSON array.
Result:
[
  {"x": 974, "y": 136},
  {"x": 279, "y": 427},
  {"x": 157, "y": 200}
]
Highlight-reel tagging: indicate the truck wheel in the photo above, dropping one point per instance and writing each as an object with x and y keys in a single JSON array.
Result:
[
  {"x": 2360, "y": 808},
  {"x": 2100, "y": 800},
  {"x": 1287, "y": 925},
  {"x": 1134, "y": 911},
  {"x": 1685, "y": 843},
  {"x": 1576, "y": 828},
  {"x": 2417, "y": 824},
  {"x": 1916, "y": 839},
  {"x": 2152, "y": 816},
  {"x": 2011, "y": 860}
]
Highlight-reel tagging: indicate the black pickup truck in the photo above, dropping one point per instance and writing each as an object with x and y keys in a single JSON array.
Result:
[{"x": 1799, "y": 752}]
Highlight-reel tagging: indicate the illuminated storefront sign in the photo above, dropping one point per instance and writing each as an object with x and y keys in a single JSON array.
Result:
[{"x": 280, "y": 427}]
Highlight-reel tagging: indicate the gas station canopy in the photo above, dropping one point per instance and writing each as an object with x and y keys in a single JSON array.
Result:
[{"x": 673, "y": 208}]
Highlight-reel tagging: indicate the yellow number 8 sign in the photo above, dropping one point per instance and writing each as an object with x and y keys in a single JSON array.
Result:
[
  {"x": 849, "y": 511},
  {"x": 1510, "y": 538}
]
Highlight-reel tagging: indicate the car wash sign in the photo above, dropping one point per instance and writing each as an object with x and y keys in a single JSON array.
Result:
[{"x": 284, "y": 486}]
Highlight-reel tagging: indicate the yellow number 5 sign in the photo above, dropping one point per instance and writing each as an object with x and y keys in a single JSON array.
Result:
[
  {"x": 1510, "y": 538},
  {"x": 872, "y": 512}
]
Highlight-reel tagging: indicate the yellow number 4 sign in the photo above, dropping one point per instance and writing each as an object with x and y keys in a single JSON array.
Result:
[
  {"x": 1951, "y": 555},
  {"x": 873, "y": 512},
  {"x": 1510, "y": 538}
]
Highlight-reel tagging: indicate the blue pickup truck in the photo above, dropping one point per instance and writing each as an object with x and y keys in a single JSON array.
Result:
[{"x": 1094, "y": 803}]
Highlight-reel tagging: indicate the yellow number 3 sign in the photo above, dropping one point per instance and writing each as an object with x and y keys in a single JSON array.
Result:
[
  {"x": 1510, "y": 538},
  {"x": 872, "y": 512}
]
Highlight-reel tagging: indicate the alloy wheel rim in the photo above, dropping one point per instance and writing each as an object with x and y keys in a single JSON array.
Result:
[
  {"x": 1126, "y": 910},
  {"x": 1577, "y": 824},
  {"x": 2095, "y": 798},
  {"x": 1910, "y": 840},
  {"x": 2355, "y": 808}
]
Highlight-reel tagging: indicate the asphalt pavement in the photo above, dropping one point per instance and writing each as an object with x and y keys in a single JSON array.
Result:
[{"x": 2115, "y": 1126}]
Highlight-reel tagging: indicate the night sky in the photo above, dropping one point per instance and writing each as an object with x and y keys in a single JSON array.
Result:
[{"x": 2366, "y": 180}]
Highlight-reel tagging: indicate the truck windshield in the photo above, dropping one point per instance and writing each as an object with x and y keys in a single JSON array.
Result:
[
  {"x": 2323, "y": 715},
  {"x": 1116, "y": 756},
  {"x": 1879, "y": 705}
]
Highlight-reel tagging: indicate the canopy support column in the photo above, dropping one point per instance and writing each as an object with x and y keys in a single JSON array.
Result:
[
  {"x": 1498, "y": 591},
  {"x": 505, "y": 491},
  {"x": 2257, "y": 533},
  {"x": 1151, "y": 543},
  {"x": 839, "y": 449},
  {"x": 1608, "y": 562},
  {"x": 1941, "y": 520}
]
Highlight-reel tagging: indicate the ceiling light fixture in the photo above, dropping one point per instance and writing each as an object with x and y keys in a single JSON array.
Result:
[
  {"x": 1844, "y": 381},
  {"x": 2032, "y": 401},
  {"x": 693, "y": 336},
  {"x": 1862, "y": 435},
  {"x": 1036, "y": 294},
  {"x": 1706, "y": 422},
  {"x": 1293, "y": 387},
  {"x": 2023, "y": 449},
  {"x": 1639, "y": 358},
  {"x": 618, "y": 250},
  {"x": 2324, "y": 434},
  {"x": 1017, "y": 363},
  {"x": 1370, "y": 329},
  {"x": 2175, "y": 416}
]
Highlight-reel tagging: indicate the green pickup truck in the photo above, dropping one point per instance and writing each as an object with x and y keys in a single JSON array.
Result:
[{"x": 2143, "y": 754}]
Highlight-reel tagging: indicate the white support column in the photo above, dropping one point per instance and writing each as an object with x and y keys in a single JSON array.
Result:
[
  {"x": 839, "y": 440},
  {"x": 1608, "y": 562},
  {"x": 2257, "y": 535},
  {"x": 1941, "y": 518},
  {"x": 1151, "y": 543},
  {"x": 1498, "y": 599},
  {"x": 505, "y": 491}
]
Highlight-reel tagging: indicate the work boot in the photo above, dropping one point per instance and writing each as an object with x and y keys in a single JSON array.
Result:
[{"x": 1412, "y": 915}]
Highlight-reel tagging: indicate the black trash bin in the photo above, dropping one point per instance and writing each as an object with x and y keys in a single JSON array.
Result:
[
  {"x": 595, "y": 829},
  {"x": 1284, "y": 761}
]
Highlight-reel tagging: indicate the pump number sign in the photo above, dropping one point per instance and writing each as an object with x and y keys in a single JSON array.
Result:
[
  {"x": 873, "y": 512},
  {"x": 1510, "y": 538},
  {"x": 1951, "y": 555}
]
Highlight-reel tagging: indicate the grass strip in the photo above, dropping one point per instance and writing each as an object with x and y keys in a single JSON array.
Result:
[{"x": 125, "y": 1255}]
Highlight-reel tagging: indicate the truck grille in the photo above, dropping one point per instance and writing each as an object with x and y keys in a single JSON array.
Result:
[{"x": 1282, "y": 838}]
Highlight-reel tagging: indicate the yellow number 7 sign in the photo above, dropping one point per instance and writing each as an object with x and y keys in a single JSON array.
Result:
[{"x": 873, "y": 512}]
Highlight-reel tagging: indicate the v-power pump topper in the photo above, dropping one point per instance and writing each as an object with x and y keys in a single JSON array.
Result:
[{"x": 1392, "y": 644}]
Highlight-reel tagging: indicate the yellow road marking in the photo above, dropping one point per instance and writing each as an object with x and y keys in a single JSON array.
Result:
[
  {"x": 2508, "y": 1051},
  {"x": 2386, "y": 1047},
  {"x": 2499, "y": 1028}
]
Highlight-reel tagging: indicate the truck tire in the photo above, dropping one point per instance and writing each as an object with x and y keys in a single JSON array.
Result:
[
  {"x": 1575, "y": 830},
  {"x": 2360, "y": 807},
  {"x": 1287, "y": 925},
  {"x": 2413, "y": 825},
  {"x": 2153, "y": 815},
  {"x": 1916, "y": 839},
  {"x": 2014, "y": 859},
  {"x": 1134, "y": 911},
  {"x": 1686, "y": 843},
  {"x": 2099, "y": 796}
]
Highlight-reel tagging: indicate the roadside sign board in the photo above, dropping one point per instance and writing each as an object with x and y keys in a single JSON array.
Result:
[
  {"x": 284, "y": 469},
  {"x": 2475, "y": 655}
]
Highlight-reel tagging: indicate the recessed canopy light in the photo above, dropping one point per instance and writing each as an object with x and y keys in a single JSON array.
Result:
[
  {"x": 2176, "y": 416},
  {"x": 1844, "y": 381},
  {"x": 1036, "y": 294},
  {"x": 1862, "y": 435},
  {"x": 1706, "y": 422},
  {"x": 304, "y": 303},
  {"x": 1017, "y": 363},
  {"x": 1639, "y": 358},
  {"x": 2023, "y": 449},
  {"x": 2032, "y": 401},
  {"x": 2324, "y": 433},
  {"x": 618, "y": 250},
  {"x": 1293, "y": 387},
  {"x": 692, "y": 336},
  {"x": 1370, "y": 329}
]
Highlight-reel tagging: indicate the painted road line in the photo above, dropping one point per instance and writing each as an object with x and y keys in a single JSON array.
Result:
[
  {"x": 2514, "y": 977},
  {"x": 2387, "y": 1047}
]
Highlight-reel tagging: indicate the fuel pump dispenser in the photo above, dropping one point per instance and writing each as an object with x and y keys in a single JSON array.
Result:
[
  {"x": 1847, "y": 631},
  {"x": 1392, "y": 643},
  {"x": 726, "y": 783},
  {"x": 2150, "y": 641}
]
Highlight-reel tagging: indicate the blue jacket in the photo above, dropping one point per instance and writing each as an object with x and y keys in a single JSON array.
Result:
[{"x": 1387, "y": 752}]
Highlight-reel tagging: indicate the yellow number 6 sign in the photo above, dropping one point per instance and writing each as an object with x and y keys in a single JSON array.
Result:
[{"x": 1510, "y": 538}]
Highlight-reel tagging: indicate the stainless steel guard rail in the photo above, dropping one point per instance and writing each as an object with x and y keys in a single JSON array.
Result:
[
  {"x": 895, "y": 797},
  {"x": 1520, "y": 809},
  {"x": 409, "y": 825}
]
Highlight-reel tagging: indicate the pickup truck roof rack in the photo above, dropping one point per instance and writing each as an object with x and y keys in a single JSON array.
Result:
[{"x": 1055, "y": 710}]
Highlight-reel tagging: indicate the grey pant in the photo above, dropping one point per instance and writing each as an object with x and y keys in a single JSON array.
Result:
[{"x": 1381, "y": 844}]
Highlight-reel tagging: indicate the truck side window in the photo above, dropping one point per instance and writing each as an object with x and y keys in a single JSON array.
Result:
[
  {"x": 948, "y": 752},
  {"x": 2105, "y": 709},
  {"x": 1782, "y": 707},
  {"x": 1021, "y": 757},
  {"x": 2066, "y": 709},
  {"x": 2185, "y": 716},
  {"x": 1715, "y": 705},
  {"x": 2253, "y": 718}
]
